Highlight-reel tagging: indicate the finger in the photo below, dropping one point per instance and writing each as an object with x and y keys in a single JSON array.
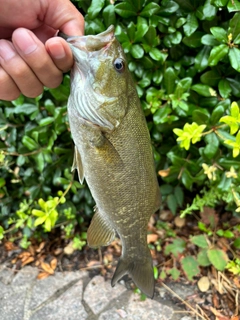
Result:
[
  {"x": 33, "y": 52},
  {"x": 64, "y": 16},
  {"x": 8, "y": 89},
  {"x": 60, "y": 53},
  {"x": 18, "y": 70}
]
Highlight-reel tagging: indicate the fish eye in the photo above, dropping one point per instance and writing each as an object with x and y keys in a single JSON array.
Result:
[{"x": 119, "y": 65}]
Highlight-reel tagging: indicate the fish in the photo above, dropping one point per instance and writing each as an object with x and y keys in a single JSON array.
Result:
[{"x": 113, "y": 152}]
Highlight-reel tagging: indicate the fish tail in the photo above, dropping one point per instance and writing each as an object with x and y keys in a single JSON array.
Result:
[{"x": 140, "y": 271}]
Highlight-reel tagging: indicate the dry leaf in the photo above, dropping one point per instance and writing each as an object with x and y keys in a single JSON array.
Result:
[
  {"x": 93, "y": 263},
  {"x": 164, "y": 173},
  {"x": 151, "y": 238},
  {"x": 53, "y": 263},
  {"x": 27, "y": 261},
  {"x": 218, "y": 314},
  {"x": 14, "y": 260},
  {"x": 165, "y": 215},
  {"x": 236, "y": 281},
  {"x": 69, "y": 248},
  {"x": 41, "y": 246},
  {"x": 179, "y": 222},
  {"x": 9, "y": 246},
  {"x": 31, "y": 250},
  {"x": 42, "y": 275},
  {"x": 203, "y": 284},
  {"x": 58, "y": 251},
  {"x": 46, "y": 267},
  {"x": 24, "y": 255}
]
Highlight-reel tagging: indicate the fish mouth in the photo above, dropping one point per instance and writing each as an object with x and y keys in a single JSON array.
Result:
[{"x": 91, "y": 43}]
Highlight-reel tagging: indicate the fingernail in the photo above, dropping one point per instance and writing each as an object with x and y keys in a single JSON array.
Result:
[
  {"x": 26, "y": 42},
  {"x": 57, "y": 51},
  {"x": 6, "y": 50}
]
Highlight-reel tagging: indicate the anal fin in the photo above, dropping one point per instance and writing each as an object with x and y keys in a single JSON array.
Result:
[
  {"x": 100, "y": 232},
  {"x": 77, "y": 164}
]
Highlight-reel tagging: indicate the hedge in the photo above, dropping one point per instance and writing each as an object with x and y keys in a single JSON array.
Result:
[{"x": 185, "y": 59}]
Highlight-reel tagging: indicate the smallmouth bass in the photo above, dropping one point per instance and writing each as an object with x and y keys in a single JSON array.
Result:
[{"x": 113, "y": 152}]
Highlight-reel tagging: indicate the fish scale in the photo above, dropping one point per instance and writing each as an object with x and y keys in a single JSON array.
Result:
[{"x": 113, "y": 152}]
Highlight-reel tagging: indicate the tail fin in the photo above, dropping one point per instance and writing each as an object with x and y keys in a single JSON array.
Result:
[{"x": 140, "y": 271}]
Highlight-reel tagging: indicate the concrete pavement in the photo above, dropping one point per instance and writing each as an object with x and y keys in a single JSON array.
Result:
[{"x": 74, "y": 296}]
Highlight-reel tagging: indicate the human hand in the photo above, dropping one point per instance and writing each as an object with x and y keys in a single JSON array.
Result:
[{"x": 34, "y": 58}]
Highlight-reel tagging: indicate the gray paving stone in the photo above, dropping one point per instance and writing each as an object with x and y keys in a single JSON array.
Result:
[
  {"x": 68, "y": 306},
  {"x": 113, "y": 314},
  {"x": 45, "y": 288},
  {"x": 99, "y": 293},
  {"x": 6, "y": 275},
  {"x": 24, "y": 278},
  {"x": 12, "y": 306},
  {"x": 147, "y": 310}
]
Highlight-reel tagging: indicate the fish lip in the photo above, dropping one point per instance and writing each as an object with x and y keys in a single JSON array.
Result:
[{"x": 85, "y": 43}]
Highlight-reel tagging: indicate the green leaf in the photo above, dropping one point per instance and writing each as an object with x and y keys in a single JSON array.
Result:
[
  {"x": 217, "y": 114},
  {"x": 200, "y": 116},
  {"x": 191, "y": 24},
  {"x": 46, "y": 121},
  {"x": 233, "y": 6},
  {"x": 220, "y": 34},
  {"x": 177, "y": 247},
  {"x": 26, "y": 108},
  {"x": 202, "y": 258},
  {"x": 175, "y": 273},
  {"x": 172, "y": 203},
  {"x": 150, "y": 9},
  {"x": 217, "y": 54},
  {"x": 203, "y": 90},
  {"x": 125, "y": 10},
  {"x": 201, "y": 60},
  {"x": 211, "y": 77},
  {"x": 212, "y": 145},
  {"x": 156, "y": 54},
  {"x": 224, "y": 88},
  {"x": 1, "y": 232},
  {"x": 218, "y": 258},
  {"x": 194, "y": 41},
  {"x": 200, "y": 241},
  {"x": 39, "y": 159},
  {"x": 39, "y": 221},
  {"x": 169, "y": 79},
  {"x": 190, "y": 267},
  {"x": 220, "y": 3},
  {"x": 234, "y": 84},
  {"x": 209, "y": 11},
  {"x": 29, "y": 143},
  {"x": 236, "y": 243},
  {"x": 161, "y": 114},
  {"x": 142, "y": 29},
  {"x": 234, "y": 56},
  {"x": 95, "y": 8},
  {"x": 179, "y": 195},
  {"x": 234, "y": 26},
  {"x": 209, "y": 40},
  {"x": 168, "y": 8},
  {"x": 137, "y": 51},
  {"x": 109, "y": 15}
]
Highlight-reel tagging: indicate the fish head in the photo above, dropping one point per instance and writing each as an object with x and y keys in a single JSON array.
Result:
[{"x": 100, "y": 79}]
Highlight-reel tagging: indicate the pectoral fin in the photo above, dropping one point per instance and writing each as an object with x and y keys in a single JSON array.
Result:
[
  {"x": 77, "y": 164},
  {"x": 100, "y": 232}
]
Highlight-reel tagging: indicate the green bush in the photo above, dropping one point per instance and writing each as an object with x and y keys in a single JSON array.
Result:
[{"x": 185, "y": 59}]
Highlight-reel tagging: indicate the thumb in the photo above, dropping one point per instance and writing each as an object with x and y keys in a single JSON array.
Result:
[{"x": 62, "y": 15}]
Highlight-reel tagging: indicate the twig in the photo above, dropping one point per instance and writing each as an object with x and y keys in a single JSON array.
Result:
[{"x": 187, "y": 304}]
